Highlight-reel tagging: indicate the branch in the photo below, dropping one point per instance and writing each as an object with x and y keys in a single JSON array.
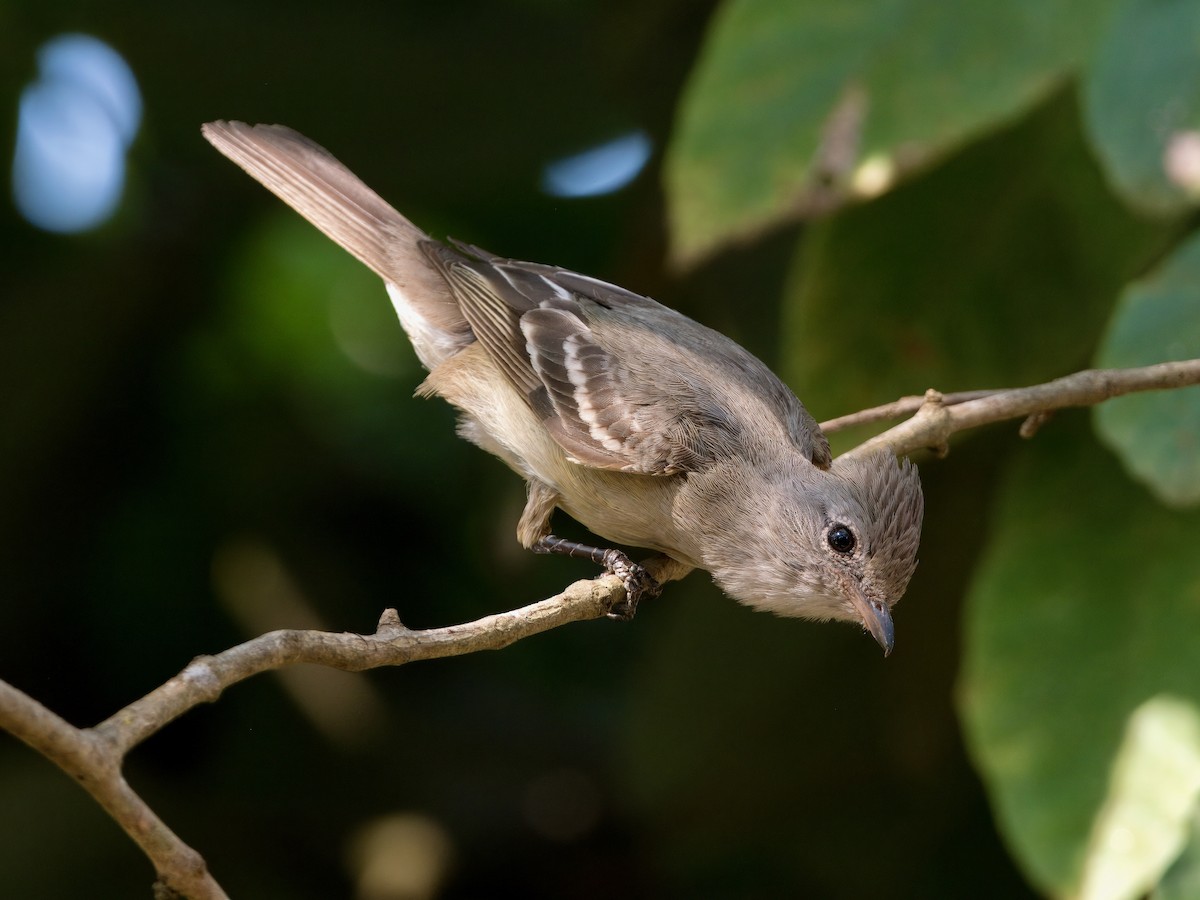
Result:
[
  {"x": 937, "y": 417},
  {"x": 95, "y": 763},
  {"x": 95, "y": 756},
  {"x": 392, "y": 644},
  {"x": 905, "y": 406}
]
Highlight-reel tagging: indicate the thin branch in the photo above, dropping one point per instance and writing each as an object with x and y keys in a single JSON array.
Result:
[
  {"x": 935, "y": 420},
  {"x": 94, "y": 762},
  {"x": 905, "y": 406},
  {"x": 94, "y": 756},
  {"x": 392, "y": 644}
]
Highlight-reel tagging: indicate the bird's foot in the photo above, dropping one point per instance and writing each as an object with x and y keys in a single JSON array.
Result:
[{"x": 637, "y": 581}]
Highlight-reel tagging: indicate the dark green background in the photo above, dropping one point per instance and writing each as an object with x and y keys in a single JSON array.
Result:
[{"x": 171, "y": 395}]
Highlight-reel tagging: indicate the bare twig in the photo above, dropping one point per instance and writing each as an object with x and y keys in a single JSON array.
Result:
[
  {"x": 94, "y": 756},
  {"x": 905, "y": 406},
  {"x": 935, "y": 420},
  {"x": 392, "y": 644},
  {"x": 95, "y": 762}
]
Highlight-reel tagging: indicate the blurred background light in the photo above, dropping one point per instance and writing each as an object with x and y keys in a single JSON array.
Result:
[
  {"x": 600, "y": 170},
  {"x": 403, "y": 856},
  {"x": 74, "y": 126}
]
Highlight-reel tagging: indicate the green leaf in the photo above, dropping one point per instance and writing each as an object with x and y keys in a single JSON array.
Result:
[
  {"x": 1142, "y": 104},
  {"x": 758, "y": 138},
  {"x": 1085, "y": 607},
  {"x": 996, "y": 269},
  {"x": 1146, "y": 819},
  {"x": 1157, "y": 435},
  {"x": 1182, "y": 880}
]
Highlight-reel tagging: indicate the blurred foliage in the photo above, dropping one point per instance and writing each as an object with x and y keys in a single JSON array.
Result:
[
  {"x": 797, "y": 105},
  {"x": 1142, "y": 94},
  {"x": 1033, "y": 159},
  {"x": 944, "y": 281},
  {"x": 1152, "y": 793},
  {"x": 1070, "y": 630},
  {"x": 206, "y": 431},
  {"x": 1182, "y": 879},
  {"x": 1157, "y": 435}
]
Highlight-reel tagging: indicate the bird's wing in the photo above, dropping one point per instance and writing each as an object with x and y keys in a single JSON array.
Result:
[{"x": 620, "y": 381}]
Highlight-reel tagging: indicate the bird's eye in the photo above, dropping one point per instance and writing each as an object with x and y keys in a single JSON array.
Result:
[{"x": 841, "y": 539}]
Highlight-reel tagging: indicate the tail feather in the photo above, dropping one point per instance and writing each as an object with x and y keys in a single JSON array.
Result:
[{"x": 310, "y": 179}]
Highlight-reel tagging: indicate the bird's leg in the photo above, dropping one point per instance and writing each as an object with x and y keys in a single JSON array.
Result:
[
  {"x": 533, "y": 532},
  {"x": 638, "y": 582}
]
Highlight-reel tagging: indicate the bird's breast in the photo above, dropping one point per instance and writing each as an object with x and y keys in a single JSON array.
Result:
[{"x": 622, "y": 507}]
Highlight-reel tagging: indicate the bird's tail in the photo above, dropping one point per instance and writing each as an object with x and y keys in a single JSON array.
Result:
[{"x": 310, "y": 179}]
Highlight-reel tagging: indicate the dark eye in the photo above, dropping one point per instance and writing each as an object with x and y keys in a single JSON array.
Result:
[{"x": 841, "y": 539}]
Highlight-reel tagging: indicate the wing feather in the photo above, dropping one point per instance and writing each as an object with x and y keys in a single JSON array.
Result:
[{"x": 620, "y": 381}]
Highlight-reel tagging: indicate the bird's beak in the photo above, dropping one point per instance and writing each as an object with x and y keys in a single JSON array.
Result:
[{"x": 876, "y": 617}]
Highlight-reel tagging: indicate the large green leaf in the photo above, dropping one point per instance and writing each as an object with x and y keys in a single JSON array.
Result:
[
  {"x": 998, "y": 268},
  {"x": 1085, "y": 607},
  {"x": 1146, "y": 818},
  {"x": 1142, "y": 102},
  {"x": 757, "y": 137},
  {"x": 1182, "y": 880},
  {"x": 1157, "y": 435}
]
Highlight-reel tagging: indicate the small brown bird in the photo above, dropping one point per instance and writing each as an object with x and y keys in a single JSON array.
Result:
[{"x": 645, "y": 426}]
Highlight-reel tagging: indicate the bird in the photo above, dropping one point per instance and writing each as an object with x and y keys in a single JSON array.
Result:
[{"x": 646, "y": 427}]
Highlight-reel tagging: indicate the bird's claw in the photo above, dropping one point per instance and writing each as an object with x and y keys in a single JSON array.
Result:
[{"x": 637, "y": 581}]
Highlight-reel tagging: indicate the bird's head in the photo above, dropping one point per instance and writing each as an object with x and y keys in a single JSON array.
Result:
[{"x": 836, "y": 544}]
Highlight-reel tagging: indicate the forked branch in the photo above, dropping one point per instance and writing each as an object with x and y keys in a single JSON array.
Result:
[
  {"x": 938, "y": 416},
  {"x": 95, "y": 756}
]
